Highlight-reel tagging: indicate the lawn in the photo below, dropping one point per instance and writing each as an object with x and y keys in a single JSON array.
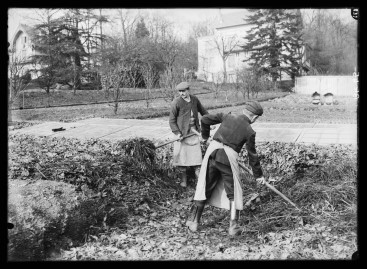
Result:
[
  {"x": 127, "y": 110},
  {"x": 36, "y": 98},
  {"x": 298, "y": 108}
]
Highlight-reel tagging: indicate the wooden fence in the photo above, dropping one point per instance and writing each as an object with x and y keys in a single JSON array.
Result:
[{"x": 337, "y": 85}]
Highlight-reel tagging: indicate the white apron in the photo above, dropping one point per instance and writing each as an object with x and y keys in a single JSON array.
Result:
[
  {"x": 187, "y": 152},
  {"x": 219, "y": 197}
]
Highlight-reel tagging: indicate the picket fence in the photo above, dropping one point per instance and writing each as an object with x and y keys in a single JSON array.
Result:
[{"x": 337, "y": 85}]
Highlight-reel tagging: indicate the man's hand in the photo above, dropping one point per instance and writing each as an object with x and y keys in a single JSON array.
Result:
[
  {"x": 260, "y": 181},
  {"x": 179, "y": 136}
]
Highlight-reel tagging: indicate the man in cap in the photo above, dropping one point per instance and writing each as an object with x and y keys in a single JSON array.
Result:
[
  {"x": 219, "y": 181},
  {"x": 184, "y": 120}
]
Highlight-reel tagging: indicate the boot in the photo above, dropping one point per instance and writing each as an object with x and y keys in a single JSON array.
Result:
[
  {"x": 194, "y": 216},
  {"x": 183, "y": 179},
  {"x": 234, "y": 227}
]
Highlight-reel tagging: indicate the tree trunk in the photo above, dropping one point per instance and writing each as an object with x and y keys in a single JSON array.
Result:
[
  {"x": 224, "y": 71},
  {"x": 116, "y": 107}
]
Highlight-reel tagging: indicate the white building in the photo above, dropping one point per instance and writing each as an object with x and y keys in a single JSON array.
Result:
[
  {"x": 21, "y": 47},
  {"x": 229, "y": 35}
]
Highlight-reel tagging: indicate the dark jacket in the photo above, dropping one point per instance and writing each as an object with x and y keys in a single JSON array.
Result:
[
  {"x": 234, "y": 131},
  {"x": 179, "y": 117}
]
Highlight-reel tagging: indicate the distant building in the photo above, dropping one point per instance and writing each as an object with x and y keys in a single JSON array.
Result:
[
  {"x": 22, "y": 46},
  {"x": 232, "y": 29}
]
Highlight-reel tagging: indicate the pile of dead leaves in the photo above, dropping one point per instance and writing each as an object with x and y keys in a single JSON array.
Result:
[
  {"x": 106, "y": 171},
  {"x": 155, "y": 227}
]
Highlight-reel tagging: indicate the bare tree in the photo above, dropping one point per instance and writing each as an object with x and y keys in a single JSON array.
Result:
[
  {"x": 204, "y": 28},
  {"x": 247, "y": 82},
  {"x": 225, "y": 45},
  {"x": 113, "y": 77},
  {"x": 128, "y": 22},
  {"x": 18, "y": 79},
  {"x": 168, "y": 81},
  {"x": 150, "y": 77},
  {"x": 218, "y": 81},
  {"x": 236, "y": 84}
]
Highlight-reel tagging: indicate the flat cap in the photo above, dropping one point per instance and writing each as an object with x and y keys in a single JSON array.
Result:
[
  {"x": 182, "y": 86},
  {"x": 254, "y": 107}
]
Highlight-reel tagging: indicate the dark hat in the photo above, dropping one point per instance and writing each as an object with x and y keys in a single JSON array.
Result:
[
  {"x": 254, "y": 107},
  {"x": 182, "y": 86}
]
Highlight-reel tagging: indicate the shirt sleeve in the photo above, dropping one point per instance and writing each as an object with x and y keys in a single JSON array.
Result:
[
  {"x": 253, "y": 157},
  {"x": 207, "y": 120},
  {"x": 201, "y": 108},
  {"x": 173, "y": 119}
]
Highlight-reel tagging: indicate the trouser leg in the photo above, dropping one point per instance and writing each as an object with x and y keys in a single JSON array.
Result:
[
  {"x": 212, "y": 177},
  {"x": 183, "y": 176},
  {"x": 195, "y": 213},
  {"x": 227, "y": 176},
  {"x": 234, "y": 227},
  {"x": 197, "y": 172}
]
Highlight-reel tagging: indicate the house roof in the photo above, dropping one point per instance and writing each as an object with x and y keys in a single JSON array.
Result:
[
  {"x": 24, "y": 28},
  {"x": 232, "y": 19}
]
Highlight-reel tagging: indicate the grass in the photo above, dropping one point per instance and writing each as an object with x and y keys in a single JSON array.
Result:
[
  {"x": 127, "y": 110},
  {"x": 297, "y": 108},
  {"x": 36, "y": 97},
  {"x": 39, "y": 99}
]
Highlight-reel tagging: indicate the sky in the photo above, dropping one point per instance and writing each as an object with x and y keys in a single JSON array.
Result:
[{"x": 182, "y": 17}]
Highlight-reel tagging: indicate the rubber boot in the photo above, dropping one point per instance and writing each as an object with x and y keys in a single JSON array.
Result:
[
  {"x": 183, "y": 178},
  {"x": 194, "y": 215},
  {"x": 234, "y": 228}
]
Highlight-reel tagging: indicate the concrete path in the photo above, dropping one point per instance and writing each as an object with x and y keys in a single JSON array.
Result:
[{"x": 158, "y": 130}]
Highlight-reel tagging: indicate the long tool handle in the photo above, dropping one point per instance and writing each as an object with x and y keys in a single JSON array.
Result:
[
  {"x": 269, "y": 186},
  {"x": 174, "y": 140}
]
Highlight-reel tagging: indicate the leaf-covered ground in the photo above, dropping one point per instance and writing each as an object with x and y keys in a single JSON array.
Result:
[
  {"x": 321, "y": 181},
  {"x": 160, "y": 234}
]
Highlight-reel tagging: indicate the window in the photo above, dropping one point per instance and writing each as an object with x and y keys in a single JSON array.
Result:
[{"x": 25, "y": 39}]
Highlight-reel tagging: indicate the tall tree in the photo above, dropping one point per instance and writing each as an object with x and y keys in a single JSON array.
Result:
[
  {"x": 264, "y": 39},
  {"x": 73, "y": 47},
  {"x": 332, "y": 41},
  {"x": 49, "y": 58},
  {"x": 292, "y": 43},
  {"x": 141, "y": 30}
]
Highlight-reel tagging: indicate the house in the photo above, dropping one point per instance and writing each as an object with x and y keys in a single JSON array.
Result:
[
  {"x": 21, "y": 46},
  {"x": 229, "y": 36}
]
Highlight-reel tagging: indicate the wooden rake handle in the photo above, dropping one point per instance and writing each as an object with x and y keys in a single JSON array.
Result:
[
  {"x": 174, "y": 140},
  {"x": 269, "y": 186}
]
